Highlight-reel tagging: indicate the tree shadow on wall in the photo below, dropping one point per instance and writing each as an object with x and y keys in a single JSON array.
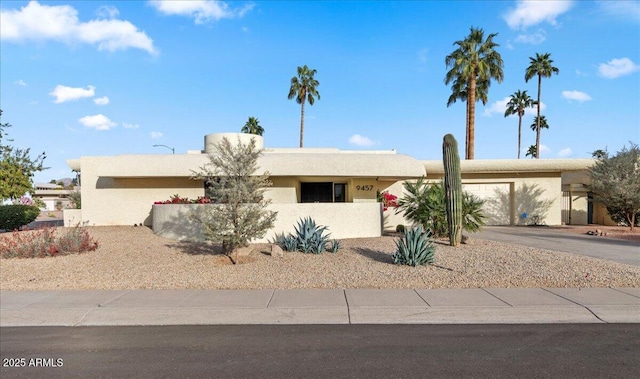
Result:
[{"x": 527, "y": 200}]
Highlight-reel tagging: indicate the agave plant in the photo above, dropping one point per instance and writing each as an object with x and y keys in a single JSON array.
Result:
[
  {"x": 333, "y": 246},
  {"x": 416, "y": 248},
  {"x": 286, "y": 241},
  {"x": 310, "y": 237}
]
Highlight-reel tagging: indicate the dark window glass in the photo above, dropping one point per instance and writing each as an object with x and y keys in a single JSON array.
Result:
[
  {"x": 339, "y": 192},
  {"x": 316, "y": 192}
]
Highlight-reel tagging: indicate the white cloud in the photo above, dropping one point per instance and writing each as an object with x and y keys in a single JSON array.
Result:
[
  {"x": 544, "y": 149},
  {"x": 576, "y": 95},
  {"x": 130, "y": 126},
  {"x": 423, "y": 55},
  {"x": 101, "y": 100},
  {"x": 202, "y": 11},
  {"x": 533, "y": 38},
  {"x": 98, "y": 122},
  {"x": 581, "y": 73},
  {"x": 500, "y": 106},
  {"x": 61, "y": 23},
  {"x": 156, "y": 135},
  {"x": 528, "y": 13},
  {"x": 359, "y": 140},
  {"x": 616, "y": 68},
  {"x": 64, "y": 93},
  {"x": 20, "y": 83},
  {"x": 107, "y": 11},
  {"x": 566, "y": 152},
  {"x": 621, "y": 9}
]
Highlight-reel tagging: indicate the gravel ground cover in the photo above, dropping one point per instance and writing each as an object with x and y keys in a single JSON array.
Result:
[{"x": 135, "y": 258}]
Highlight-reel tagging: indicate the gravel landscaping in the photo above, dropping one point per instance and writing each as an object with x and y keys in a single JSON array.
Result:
[{"x": 135, "y": 258}]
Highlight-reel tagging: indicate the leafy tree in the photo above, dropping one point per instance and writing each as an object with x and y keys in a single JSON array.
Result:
[
  {"x": 240, "y": 213},
  {"x": 615, "y": 182},
  {"x": 599, "y": 153},
  {"x": 16, "y": 168},
  {"x": 252, "y": 126},
  {"x": 303, "y": 89},
  {"x": 531, "y": 152},
  {"x": 472, "y": 66},
  {"x": 540, "y": 66},
  {"x": 424, "y": 204},
  {"x": 517, "y": 104}
]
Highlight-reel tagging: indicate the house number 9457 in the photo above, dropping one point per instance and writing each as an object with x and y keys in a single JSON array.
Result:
[{"x": 365, "y": 188}]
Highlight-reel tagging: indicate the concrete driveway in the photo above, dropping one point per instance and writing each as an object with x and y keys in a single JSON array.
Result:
[{"x": 627, "y": 252}]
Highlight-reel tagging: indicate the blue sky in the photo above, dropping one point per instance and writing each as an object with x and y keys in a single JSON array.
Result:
[{"x": 81, "y": 78}]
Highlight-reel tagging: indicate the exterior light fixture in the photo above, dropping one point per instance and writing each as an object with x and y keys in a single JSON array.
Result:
[{"x": 173, "y": 151}]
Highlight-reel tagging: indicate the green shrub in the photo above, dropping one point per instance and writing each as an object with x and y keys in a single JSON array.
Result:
[
  {"x": 15, "y": 216},
  {"x": 400, "y": 228},
  {"x": 416, "y": 248},
  {"x": 424, "y": 204}
]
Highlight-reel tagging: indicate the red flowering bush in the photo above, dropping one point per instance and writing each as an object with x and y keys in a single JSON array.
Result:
[
  {"x": 387, "y": 200},
  {"x": 40, "y": 243},
  {"x": 176, "y": 199}
]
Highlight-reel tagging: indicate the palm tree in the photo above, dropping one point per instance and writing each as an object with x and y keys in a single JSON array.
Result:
[
  {"x": 539, "y": 123},
  {"x": 252, "y": 126},
  {"x": 518, "y": 102},
  {"x": 472, "y": 66},
  {"x": 303, "y": 88},
  {"x": 541, "y": 66},
  {"x": 531, "y": 152}
]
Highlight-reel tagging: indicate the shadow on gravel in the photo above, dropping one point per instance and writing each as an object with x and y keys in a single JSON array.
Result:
[
  {"x": 375, "y": 255},
  {"x": 198, "y": 248}
]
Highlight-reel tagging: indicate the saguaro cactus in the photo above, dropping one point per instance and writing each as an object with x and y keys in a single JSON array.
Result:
[{"x": 453, "y": 188}]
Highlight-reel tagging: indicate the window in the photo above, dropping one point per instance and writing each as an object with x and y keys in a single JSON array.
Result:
[{"x": 323, "y": 192}]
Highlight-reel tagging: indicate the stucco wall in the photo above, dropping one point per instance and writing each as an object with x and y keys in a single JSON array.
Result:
[
  {"x": 508, "y": 196},
  {"x": 126, "y": 201},
  {"x": 344, "y": 220}
]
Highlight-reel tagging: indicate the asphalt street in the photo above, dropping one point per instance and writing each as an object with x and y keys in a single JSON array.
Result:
[{"x": 324, "y": 351}]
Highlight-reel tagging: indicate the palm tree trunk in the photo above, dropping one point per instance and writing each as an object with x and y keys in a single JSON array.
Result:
[
  {"x": 471, "y": 131},
  {"x": 302, "y": 124},
  {"x": 466, "y": 132},
  {"x": 538, "y": 123},
  {"x": 519, "y": 132}
]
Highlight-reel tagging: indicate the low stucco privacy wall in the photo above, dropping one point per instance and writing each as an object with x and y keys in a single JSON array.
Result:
[
  {"x": 344, "y": 220},
  {"x": 517, "y": 191}
]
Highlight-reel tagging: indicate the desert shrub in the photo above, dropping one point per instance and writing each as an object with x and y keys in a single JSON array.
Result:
[
  {"x": 416, "y": 248},
  {"x": 43, "y": 242},
  {"x": 75, "y": 198},
  {"x": 241, "y": 212},
  {"x": 14, "y": 216},
  {"x": 308, "y": 238},
  {"x": 424, "y": 204},
  {"x": 400, "y": 228}
]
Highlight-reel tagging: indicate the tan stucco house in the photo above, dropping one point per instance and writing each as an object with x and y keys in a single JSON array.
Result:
[{"x": 336, "y": 187}]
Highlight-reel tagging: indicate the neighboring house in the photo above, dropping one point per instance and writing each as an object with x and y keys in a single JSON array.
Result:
[
  {"x": 336, "y": 187},
  {"x": 54, "y": 196}
]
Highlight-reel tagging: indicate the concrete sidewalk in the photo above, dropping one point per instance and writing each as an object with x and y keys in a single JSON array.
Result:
[{"x": 320, "y": 306}]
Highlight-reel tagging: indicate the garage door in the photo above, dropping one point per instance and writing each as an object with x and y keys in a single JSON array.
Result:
[{"x": 497, "y": 204}]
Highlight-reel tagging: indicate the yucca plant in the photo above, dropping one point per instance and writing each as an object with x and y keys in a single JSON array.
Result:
[{"x": 416, "y": 248}]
